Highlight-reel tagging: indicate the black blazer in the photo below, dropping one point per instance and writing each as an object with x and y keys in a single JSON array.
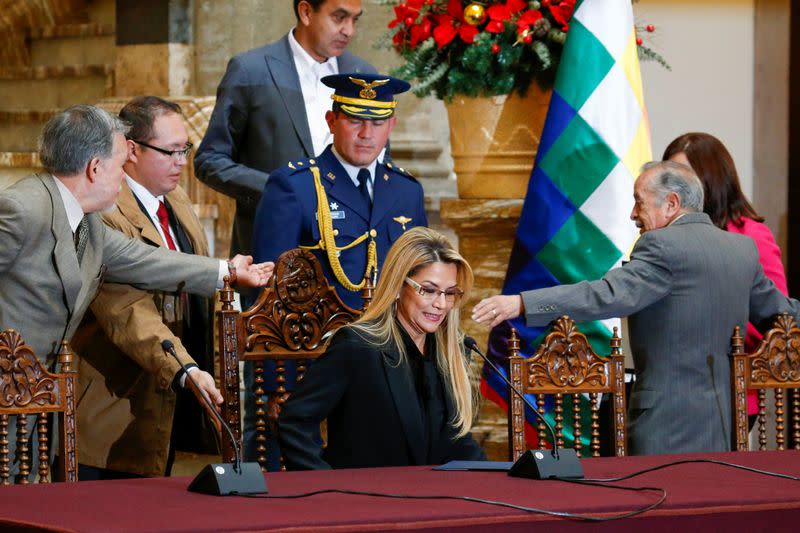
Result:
[{"x": 372, "y": 409}]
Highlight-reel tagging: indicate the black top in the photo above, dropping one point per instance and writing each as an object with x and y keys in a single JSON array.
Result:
[
  {"x": 430, "y": 391},
  {"x": 380, "y": 411}
]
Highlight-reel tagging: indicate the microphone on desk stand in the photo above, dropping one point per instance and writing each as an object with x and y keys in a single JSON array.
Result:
[
  {"x": 537, "y": 464},
  {"x": 222, "y": 479}
]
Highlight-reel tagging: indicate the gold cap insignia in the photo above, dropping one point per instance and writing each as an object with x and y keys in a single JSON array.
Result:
[{"x": 368, "y": 91}]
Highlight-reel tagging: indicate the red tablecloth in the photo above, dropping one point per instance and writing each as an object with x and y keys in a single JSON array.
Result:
[{"x": 698, "y": 496}]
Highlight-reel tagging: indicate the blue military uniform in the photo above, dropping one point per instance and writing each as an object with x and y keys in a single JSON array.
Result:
[
  {"x": 287, "y": 215},
  {"x": 352, "y": 232}
]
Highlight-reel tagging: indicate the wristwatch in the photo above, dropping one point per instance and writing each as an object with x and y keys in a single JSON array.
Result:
[{"x": 232, "y": 277}]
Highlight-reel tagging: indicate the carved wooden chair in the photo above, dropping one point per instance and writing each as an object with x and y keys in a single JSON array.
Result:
[
  {"x": 27, "y": 388},
  {"x": 293, "y": 319},
  {"x": 565, "y": 364},
  {"x": 775, "y": 365}
]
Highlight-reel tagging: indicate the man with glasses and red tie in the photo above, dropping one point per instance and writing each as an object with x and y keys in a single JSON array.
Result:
[{"x": 134, "y": 409}]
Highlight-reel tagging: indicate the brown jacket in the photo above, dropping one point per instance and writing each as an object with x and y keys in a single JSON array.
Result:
[{"x": 125, "y": 401}]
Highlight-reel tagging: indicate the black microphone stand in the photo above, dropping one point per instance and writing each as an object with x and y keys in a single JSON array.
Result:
[
  {"x": 537, "y": 464},
  {"x": 222, "y": 479}
]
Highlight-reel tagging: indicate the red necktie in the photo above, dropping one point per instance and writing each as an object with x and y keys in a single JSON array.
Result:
[{"x": 163, "y": 219}]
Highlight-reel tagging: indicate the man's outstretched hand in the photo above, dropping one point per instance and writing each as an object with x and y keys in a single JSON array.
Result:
[{"x": 249, "y": 274}]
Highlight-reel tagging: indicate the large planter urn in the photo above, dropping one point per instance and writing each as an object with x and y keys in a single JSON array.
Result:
[{"x": 494, "y": 140}]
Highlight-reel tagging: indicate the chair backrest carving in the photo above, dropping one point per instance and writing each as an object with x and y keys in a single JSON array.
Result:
[
  {"x": 566, "y": 365},
  {"x": 774, "y": 365},
  {"x": 293, "y": 319},
  {"x": 28, "y": 389}
]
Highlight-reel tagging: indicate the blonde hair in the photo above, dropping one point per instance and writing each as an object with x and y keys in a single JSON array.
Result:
[{"x": 414, "y": 250}]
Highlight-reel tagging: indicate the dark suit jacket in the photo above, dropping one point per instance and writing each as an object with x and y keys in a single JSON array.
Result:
[
  {"x": 373, "y": 414},
  {"x": 685, "y": 289},
  {"x": 259, "y": 123},
  {"x": 287, "y": 215}
]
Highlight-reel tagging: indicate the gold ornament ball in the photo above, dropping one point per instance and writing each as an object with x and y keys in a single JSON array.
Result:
[{"x": 474, "y": 14}]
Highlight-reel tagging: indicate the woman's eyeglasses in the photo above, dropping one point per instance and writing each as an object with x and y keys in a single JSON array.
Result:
[{"x": 451, "y": 295}]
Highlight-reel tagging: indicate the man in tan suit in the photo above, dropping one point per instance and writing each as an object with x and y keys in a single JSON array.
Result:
[
  {"x": 128, "y": 387},
  {"x": 56, "y": 251}
]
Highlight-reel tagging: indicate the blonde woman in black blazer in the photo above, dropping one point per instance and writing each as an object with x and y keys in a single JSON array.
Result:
[{"x": 394, "y": 386}]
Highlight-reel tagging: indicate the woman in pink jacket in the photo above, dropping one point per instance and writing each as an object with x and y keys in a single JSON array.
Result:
[{"x": 730, "y": 210}]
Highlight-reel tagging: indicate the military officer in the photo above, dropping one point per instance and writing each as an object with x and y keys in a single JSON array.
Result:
[{"x": 345, "y": 204}]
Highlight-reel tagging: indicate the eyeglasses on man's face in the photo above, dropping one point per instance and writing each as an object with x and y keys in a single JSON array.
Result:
[
  {"x": 429, "y": 294},
  {"x": 176, "y": 155}
]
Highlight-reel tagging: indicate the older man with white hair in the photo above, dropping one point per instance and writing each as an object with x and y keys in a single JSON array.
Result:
[{"x": 686, "y": 287}]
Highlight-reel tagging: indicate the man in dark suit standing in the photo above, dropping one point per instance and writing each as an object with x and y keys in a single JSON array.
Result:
[
  {"x": 687, "y": 285},
  {"x": 135, "y": 407},
  {"x": 270, "y": 110},
  {"x": 271, "y": 107}
]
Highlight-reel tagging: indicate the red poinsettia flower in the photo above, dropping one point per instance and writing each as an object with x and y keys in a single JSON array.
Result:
[
  {"x": 528, "y": 19},
  {"x": 498, "y": 14},
  {"x": 516, "y": 5},
  {"x": 409, "y": 8},
  {"x": 562, "y": 12},
  {"x": 451, "y": 24},
  {"x": 420, "y": 32}
]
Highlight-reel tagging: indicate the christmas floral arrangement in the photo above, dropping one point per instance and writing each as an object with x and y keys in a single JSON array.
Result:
[{"x": 479, "y": 47}]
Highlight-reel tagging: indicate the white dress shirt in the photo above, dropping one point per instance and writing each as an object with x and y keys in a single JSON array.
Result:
[
  {"x": 71, "y": 206},
  {"x": 316, "y": 95}
]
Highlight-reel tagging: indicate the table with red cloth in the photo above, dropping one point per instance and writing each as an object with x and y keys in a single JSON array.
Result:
[{"x": 699, "y": 495}]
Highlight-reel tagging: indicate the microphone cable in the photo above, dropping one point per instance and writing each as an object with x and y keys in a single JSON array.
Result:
[
  {"x": 597, "y": 482},
  {"x": 533, "y": 510},
  {"x": 690, "y": 461}
]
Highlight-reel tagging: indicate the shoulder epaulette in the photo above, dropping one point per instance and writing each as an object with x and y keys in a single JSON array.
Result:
[
  {"x": 302, "y": 164},
  {"x": 399, "y": 170}
]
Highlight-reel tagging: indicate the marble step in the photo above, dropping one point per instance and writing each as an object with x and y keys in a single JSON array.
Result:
[
  {"x": 47, "y": 87},
  {"x": 72, "y": 44}
]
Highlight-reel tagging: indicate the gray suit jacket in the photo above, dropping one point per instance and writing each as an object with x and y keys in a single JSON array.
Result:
[
  {"x": 44, "y": 292},
  {"x": 684, "y": 290},
  {"x": 259, "y": 123}
]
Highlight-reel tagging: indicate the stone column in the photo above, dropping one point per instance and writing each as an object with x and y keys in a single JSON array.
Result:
[
  {"x": 485, "y": 230},
  {"x": 154, "y": 47}
]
